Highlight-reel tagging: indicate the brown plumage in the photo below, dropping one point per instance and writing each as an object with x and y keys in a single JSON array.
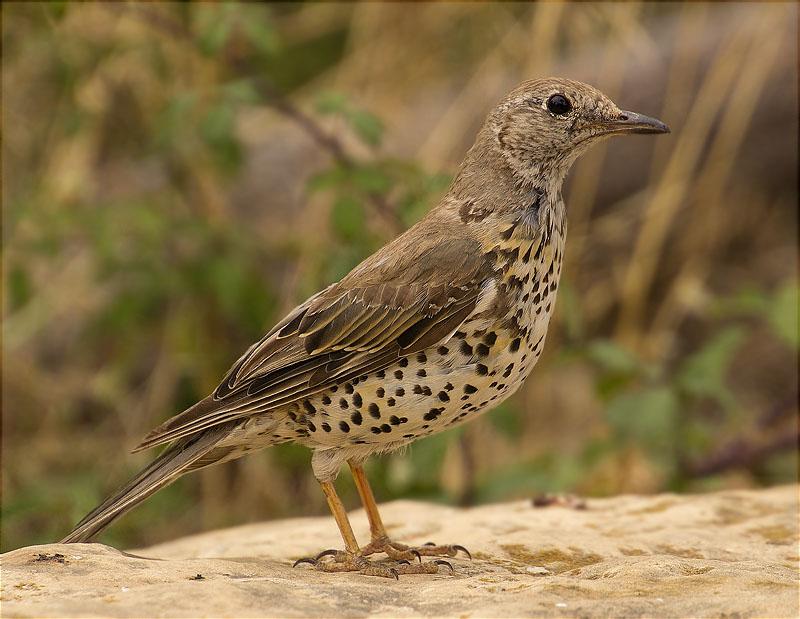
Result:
[{"x": 439, "y": 325}]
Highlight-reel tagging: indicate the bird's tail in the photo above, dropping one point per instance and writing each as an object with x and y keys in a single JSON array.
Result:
[{"x": 184, "y": 456}]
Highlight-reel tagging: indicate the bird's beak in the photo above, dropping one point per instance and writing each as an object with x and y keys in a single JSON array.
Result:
[{"x": 631, "y": 122}]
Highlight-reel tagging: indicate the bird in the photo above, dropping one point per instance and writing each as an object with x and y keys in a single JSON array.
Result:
[{"x": 437, "y": 327}]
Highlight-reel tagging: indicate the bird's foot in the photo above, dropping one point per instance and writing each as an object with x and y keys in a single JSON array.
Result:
[
  {"x": 343, "y": 561},
  {"x": 395, "y": 550}
]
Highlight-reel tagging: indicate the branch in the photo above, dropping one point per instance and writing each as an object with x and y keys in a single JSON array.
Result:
[{"x": 275, "y": 98}]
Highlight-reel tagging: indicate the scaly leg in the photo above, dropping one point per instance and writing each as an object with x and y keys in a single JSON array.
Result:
[
  {"x": 352, "y": 559},
  {"x": 380, "y": 541}
]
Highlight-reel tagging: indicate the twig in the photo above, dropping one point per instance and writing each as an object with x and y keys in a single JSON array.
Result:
[
  {"x": 275, "y": 98},
  {"x": 740, "y": 453}
]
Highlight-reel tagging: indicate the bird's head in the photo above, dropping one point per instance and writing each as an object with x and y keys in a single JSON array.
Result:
[{"x": 543, "y": 125}]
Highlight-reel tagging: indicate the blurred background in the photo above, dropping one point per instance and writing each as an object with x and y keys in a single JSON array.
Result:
[{"x": 176, "y": 177}]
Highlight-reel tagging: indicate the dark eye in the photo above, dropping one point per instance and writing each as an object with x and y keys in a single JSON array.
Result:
[{"x": 559, "y": 104}]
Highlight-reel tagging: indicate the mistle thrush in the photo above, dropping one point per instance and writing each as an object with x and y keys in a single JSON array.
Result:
[{"x": 435, "y": 328}]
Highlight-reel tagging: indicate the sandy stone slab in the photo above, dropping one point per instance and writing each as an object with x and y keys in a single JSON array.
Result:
[{"x": 731, "y": 553}]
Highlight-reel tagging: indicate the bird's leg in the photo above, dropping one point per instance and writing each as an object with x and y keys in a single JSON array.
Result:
[
  {"x": 380, "y": 541},
  {"x": 353, "y": 559}
]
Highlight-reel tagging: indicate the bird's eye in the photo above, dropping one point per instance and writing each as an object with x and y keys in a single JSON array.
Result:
[{"x": 559, "y": 104}]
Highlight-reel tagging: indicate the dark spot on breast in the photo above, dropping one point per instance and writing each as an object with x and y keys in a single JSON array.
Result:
[
  {"x": 443, "y": 396},
  {"x": 386, "y": 428},
  {"x": 514, "y": 346},
  {"x": 348, "y": 388},
  {"x": 422, "y": 358},
  {"x": 482, "y": 350},
  {"x": 449, "y": 387},
  {"x": 526, "y": 258},
  {"x": 381, "y": 374},
  {"x": 356, "y": 418},
  {"x": 465, "y": 348},
  {"x": 432, "y": 414},
  {"x": 490, "y": 338},
  {"x": 400, "y": 392},
  {"x": 525, "y": 297},
  {"x": 334, "y": 388},
  {"x": 460, "y": 335},
  {"x": 507, "y": 373},
  {"x": 398, "y": 374},
  {"x": 422, "y": 373},
  {"x": 343, "y": 403},
  {"x": 390, "y": 402},
  {"x": 374, "y": 411},
  {"x": 357, "y": 400},
  {"x": 481, "y": 369},
  {"x": 426, "y": 390},
  {"x": 311, "y": 426},
  {"x": 380, "y": 392},
  {"x": 403, "y": 362},
  {"x": 326, "y": 400},
  {"x": 375, "y": 430},
  {"x": 394, "y": 420},
  {"x": 344, "y": 427},
  {"x": 470, "y": 388},
  {"x": 326, "y": 427},
  {"x": 442, "y": 350},
  {"x": 292, "y": 416},
  {"x": 310, "y": 409},
  {"x": 417, "y": 389}
]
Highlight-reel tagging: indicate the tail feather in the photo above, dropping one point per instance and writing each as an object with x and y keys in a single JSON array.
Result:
[{"x": 165, "y": 469}]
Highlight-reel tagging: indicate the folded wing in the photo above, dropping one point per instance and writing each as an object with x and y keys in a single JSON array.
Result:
[{"x": 380, "y": 312}]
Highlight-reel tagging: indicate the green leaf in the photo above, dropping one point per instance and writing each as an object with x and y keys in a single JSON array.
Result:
[
  {"x": 782, "y": 313},
  {"x": 612, "y": 357},
  {"x": 331, "y": 177},
  {"x": 703, "y": 373},
  {"x": 263, "y": 35},
  {"x": 506, "y": 419},
  {"x": 648, "y": 416},
  {"x": 347, "y": 217},
  {"x": 215, "y": 25},
  {"x": 217, "y": 128},
  {"x": 371, "y": 179},
  {"x": 367, "y": 126},
  {"x": 332, "y": 102},
  {"x": 19, "y": 287},
  {"x": 241, "y": 91},
  {"x": 172, "y": 118}
]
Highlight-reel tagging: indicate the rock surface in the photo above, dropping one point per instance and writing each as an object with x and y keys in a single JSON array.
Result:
[{"x": 732, "y": 553}]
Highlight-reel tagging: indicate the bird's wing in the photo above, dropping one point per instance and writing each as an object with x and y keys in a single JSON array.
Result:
[{"x": 384, "y": 309}]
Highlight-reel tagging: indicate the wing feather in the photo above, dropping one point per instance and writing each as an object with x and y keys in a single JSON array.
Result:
[{"x": 381, "y": 311}]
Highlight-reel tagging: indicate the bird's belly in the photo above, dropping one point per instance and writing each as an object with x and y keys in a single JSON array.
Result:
[{"x": 421, "y": 394}]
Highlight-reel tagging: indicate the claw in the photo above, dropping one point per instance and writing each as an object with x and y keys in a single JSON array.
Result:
[
  {"x": 395, "y": 574},
  {"x": 327, "y": 553},
  {"x": 416, "y": 552},
  {"x": 443, "y": 562},
  {"x": 305, "y": 560},
  {"x": 429, "y": 544},
  {"x": 457, "y": 547},
  {"x": 404, "y": 562}
]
